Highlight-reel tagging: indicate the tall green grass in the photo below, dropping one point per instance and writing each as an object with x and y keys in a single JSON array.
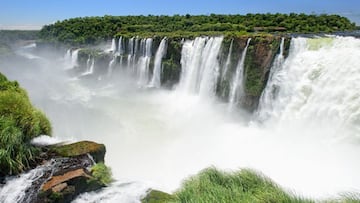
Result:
[
  {"x": 19, "y": 123},
  {"x": 212, "y": 185}
]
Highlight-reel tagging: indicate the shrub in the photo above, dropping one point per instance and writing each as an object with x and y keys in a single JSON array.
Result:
[{"x": 101, "y": 173}]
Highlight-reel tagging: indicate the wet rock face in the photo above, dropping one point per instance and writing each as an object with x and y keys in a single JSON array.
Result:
[
  {"x": 97, "y": 151},
  {"x": 70, "y": 175},
  {"x": 258, "y": 61}
]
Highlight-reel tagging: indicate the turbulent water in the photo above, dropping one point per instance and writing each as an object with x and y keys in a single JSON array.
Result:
[{"x": 305, "y": 135}]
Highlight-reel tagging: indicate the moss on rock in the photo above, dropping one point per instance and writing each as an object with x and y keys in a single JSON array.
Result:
[{"x": 97, "y": 151}]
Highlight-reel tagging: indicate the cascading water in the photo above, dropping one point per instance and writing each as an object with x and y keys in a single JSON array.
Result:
[
  {"x": 270, "y": 92},
  {"x": 113, "y": 46},
  {"x": 200, "y": 65},
  {"x": 156, "y": 76},
  {"x": 317, "y": 87},
  {"x": 67, "y": 56},
  {"x": 157, "y": 138},
  {"x": 71, "y": 58},
  {"x": 237, "y": 88},
  {"x": 131, "y": 52},
  {"x": 121, "y": 48},
  {"x": 19, "y": 189},
  {"x": 111, "y": 65},
  {"x": 228, "y": 62},
  {"x": 121, "y": 51},
  {"x": 90, "y": 63},
  {"x": 144, "y": 61}
]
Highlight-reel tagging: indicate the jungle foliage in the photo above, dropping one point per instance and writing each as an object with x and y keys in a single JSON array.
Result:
[{"x": 91, "y": 30}]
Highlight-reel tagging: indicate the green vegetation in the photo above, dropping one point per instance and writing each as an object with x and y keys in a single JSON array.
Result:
[
  {"x": 212, "y": 185},
  {"x": 243, "y": 186},
  {"x": 91, "y": 30},
  {"x": 101, "y": 173},
  {"x": 19, "y": 123},
  {"x": 155, "y": 196}
]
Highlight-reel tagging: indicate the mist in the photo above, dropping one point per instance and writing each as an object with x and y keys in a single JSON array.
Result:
[{"x": 157, "y": 137}]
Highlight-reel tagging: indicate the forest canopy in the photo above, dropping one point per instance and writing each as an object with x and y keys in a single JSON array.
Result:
[{"x": 90, "y": 30}]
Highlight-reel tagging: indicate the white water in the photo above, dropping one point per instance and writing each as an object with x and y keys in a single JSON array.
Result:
[
  {"x": 15, "y": 188},
  {"x": 156, "y": 76},
  {"x": 113, "y": 46},
  {"x": 269, "y": 94},
  {"x": 111, "y": 65},
  {"x": 228, "y": 61},
  {"x": 308, "y": 144},
  {"x": 237, "y": 86},
  {"x": 90, "y": 64},
  {"x": 71, "y": 58},
  {"x": 121, "y": 48},
  {"x": 200, "y": 65},
  {"x": 144, "y": 62},
  {"x": 318, "y": 88}
]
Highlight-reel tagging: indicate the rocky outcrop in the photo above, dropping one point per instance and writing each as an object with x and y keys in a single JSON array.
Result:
[
  {"x": 65, "y": 171},
  {"x": 260, "y": 55},
  {"x": 65, "y": 187},
  {"x": 97, "y": 151}
]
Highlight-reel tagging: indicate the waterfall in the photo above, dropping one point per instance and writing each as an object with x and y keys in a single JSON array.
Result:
[
  {"x": 200, "y": 65},
  {"x": 270, "y": 92},
  {"x": 121, "y": 49},
  {"x": 156, "y": 77},
  {"x": 228, "y": 62},
  {"x": 67, "y": 56},
  {"x": 237, "y": 88},
  {"x": 113, "y": 45},
  {"x": 89, "y": 66},
  {"x": 71, "y": 58},
  {"x": 144, "y": 61},
  {"x": 131, "y": 52},
  {"x": 91, "y": 70},
  {"x": 111, "y": 65},
  {"x": 19, "y": 189},
  {"x": 318, "y": 87}
]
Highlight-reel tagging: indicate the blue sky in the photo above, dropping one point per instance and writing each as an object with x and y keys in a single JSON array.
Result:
[{"x": 35, "y": 13}]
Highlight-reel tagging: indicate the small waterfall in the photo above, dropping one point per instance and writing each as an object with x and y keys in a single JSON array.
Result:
[
  {"x": 111, "y": 65},
  {"x": 156, "y": 77},
  {"x": 18, "y": 189},
  {"x": 90, "y": 63},
  {"x": 144, "y": 61},
  {"x": 74, "y": 58},
  {"x": 91, "y": 70},
  {"x": 67, "y": 56},
  {"x": 228, "y": 62},
  {"x": 131, "y": 52},
  {"x": 199, "y": 65},
  {"x": 236, "y": 88},
  {"x": 135, "y": 55},
  {"x": 271, "y": 90},
  {"x": 113, "y": 45},
  {"x": 121, "y": 48}
]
